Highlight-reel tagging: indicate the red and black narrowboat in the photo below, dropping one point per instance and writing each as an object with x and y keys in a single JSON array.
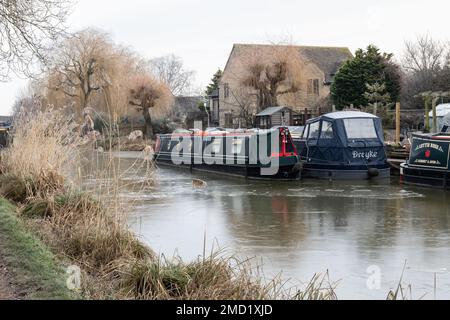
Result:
[{"x": 249, "y": 153}]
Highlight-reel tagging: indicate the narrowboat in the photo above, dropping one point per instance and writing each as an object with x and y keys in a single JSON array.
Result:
[
  {"x": 428, "y": 163},
  {"x": 249, "y": 153},
  {"x": 343, "y": 145}
]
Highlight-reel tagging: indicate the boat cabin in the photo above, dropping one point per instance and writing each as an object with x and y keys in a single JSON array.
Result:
[
  {"x": 239, "y": 152},
  {"x": 429, "y": 161},
  {"x": 345, "y": 144}
]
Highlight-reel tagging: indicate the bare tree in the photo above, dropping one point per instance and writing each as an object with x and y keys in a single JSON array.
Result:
[
  {"x": 274, "y": 76},
  {"x": 170, "y": 70},
  {"x": 423, "y": 59},
  {"x": 427, "y": 68},
  {"x": 148, "y": 94},
  {"x": 81, "y": 65},
  {"x": 26, "y": 27},
  {"x": 244, "y": 100}
]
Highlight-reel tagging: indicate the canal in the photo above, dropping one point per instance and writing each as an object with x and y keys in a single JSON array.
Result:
[{"x": 301, "y": 228}]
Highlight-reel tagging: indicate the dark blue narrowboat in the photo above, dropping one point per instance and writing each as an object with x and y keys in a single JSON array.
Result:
[
  {"x": 252, "y": 153},
  {"x": 343, "y": 145},
  {"x": 429, "y": 161}
]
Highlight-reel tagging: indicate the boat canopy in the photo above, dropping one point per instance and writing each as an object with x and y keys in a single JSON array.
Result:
[
  {"x": 446, "y": 124},
  {"x": 344, "y": 137},
  {"x": 441, "y": 110}
]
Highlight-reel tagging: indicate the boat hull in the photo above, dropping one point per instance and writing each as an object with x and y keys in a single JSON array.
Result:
[
  {"x": 285, "y": 172},
  {"x": 246, "y": 154},
  {"x": 425, "y": 177},
  {"x": 330, "y": 172}
]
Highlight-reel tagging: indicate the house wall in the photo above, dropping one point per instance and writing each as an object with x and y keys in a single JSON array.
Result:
[{"x": 233, "y": 93}]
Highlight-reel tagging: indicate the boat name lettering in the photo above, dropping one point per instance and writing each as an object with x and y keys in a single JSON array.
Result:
[
  {"x": 429, "y": 145},
  {"x": 366, "y": 155}
]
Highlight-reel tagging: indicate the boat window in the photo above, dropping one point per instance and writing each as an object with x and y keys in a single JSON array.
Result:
[
  {"x": 327, "y": 130},
  {"x": 236, "y": 146},
  {"x": 183, "y": 145},
  {"x": 178, "y": 146},
  {"x": 360, "y": 128},
  {"x": 314, "y": 130},
  {"x": 305, "y": 132},
  {"x": 216, "y": 145},
  {"x": 290, "y": 146}
]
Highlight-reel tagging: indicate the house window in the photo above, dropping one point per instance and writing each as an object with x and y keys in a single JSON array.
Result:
[
  {"x": 316, "y": 86},
  {"x": 313, "y": 86},
  {"x": 215, "y": 109},
  {"x": 226, "y": 90},
  {"x": 228, "y": 120}
]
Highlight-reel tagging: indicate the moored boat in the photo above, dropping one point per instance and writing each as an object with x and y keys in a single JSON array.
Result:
[
  {"x": 343, "y": 145},
  {"x": 254, "y": 153},
  {"x": 429, "y": 161}
]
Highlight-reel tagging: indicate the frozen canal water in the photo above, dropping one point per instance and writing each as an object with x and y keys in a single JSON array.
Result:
[{"x": 305, "y": 227}]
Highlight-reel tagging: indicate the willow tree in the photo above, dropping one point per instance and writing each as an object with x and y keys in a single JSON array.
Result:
[
  {"x": 149, "y": 95},
  {"x": 80, "y": 65},
  {"x": 26, "y": 30},
  {"x": 273, "y": 75}
]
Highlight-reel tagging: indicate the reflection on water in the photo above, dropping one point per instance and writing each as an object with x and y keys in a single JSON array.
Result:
[{"x": 305, "y": 227}]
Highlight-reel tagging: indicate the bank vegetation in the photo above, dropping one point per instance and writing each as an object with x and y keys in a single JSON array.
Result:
[{"x": 42, "y": 173}]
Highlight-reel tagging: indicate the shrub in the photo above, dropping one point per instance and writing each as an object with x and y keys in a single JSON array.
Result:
[
  {"x": 89, "y": 233},
  {"x": 13, "y": 188},
  {"x": 38, "y": 208},
  {"x": 163, "y": 126},
  {"x": 44, "y": 143}
]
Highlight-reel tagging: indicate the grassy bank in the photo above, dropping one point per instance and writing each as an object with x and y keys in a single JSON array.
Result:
[{"x": 32, "y": 268}]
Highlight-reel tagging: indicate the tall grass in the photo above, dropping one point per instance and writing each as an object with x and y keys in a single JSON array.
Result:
[
  {"x": 71, "y": 194},
  {"x": 43, "y": 145}
]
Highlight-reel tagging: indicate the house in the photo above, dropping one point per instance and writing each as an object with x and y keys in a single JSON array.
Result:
[
  {"x": 274, "y": 116},
  {"x": 317, "y": 67},
  {"x": 5, "y": 121}
]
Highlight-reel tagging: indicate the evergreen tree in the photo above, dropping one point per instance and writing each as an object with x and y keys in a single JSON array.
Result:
[
  {"x": 367, "y": 67},
  {"x": 377, "y": 96},
  {"x": 214, "y": 82}
]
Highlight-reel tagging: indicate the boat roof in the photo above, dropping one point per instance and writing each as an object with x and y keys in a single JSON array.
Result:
[
  {"x": 349, "y": 114},
  {"x": 441, "y": 110},
  {"x": 270, "y": 110},
  {"x": 344, "y": 115}
]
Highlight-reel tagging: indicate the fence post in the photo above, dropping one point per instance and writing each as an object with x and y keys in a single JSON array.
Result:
[
  {"x": 427, "y": 115},
  {"x": 397, "y": 123},
  {"x": 433, "y": 105}
]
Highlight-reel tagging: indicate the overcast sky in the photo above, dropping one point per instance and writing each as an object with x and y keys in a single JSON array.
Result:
[{"x": 203, "y": 32}]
